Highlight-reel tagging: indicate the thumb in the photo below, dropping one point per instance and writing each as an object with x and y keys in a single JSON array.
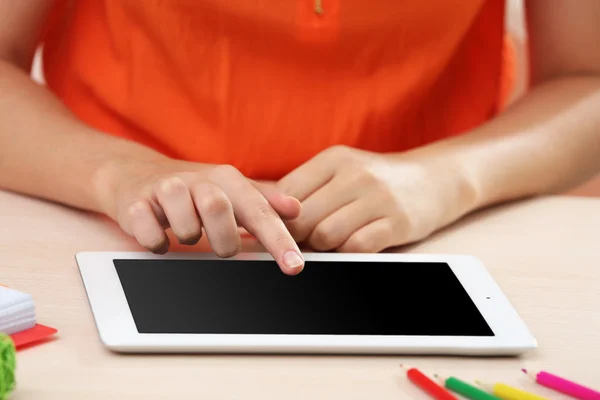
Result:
[{"x": 286, "y": 206}]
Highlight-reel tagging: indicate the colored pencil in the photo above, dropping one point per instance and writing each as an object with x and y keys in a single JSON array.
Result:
[
  {"x": 506, "y": 392},
  {"x": 427, "y": 385},
  {"x": 463, "y": 388},
  {"x": 563, "y": 385}
]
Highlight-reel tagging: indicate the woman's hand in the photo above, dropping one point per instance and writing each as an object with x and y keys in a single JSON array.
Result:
[
  {"x": 147, "y": 197},
  {"x": 356, "y": 201}
]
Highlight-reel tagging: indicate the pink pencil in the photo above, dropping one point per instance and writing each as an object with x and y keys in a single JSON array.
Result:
[{"x": 563, "y": 385}]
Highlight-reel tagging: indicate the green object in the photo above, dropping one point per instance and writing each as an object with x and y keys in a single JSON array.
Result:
[
  {"x": 470, "y": 392},
  {"x": 8, "y": 363}
]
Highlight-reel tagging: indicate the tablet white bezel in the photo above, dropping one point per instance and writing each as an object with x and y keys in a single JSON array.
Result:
[{"x": 118, "y": 332}]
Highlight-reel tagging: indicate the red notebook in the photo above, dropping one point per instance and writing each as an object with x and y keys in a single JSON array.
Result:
[
  {"x": 17, "y": 313},
  {"x": 31, "y": 337}
]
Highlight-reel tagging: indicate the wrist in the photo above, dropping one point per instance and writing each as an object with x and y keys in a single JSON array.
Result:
[
  {"x": 115, "y": 171},
  {"x": 449, "y": 186},
  {"x": 461, "y": 186}
]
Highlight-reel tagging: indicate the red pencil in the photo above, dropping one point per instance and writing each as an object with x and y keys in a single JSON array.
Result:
[{"x": 426, "y": 384}]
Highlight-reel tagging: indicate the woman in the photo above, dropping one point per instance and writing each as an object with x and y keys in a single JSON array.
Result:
[{"x": 368, "y": 124}]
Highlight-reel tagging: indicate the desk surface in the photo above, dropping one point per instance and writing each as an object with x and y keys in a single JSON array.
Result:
[{"x": 544, "y": 253}]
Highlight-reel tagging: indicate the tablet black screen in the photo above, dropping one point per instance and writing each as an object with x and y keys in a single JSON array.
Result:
[{"x": 341, "y": 298}]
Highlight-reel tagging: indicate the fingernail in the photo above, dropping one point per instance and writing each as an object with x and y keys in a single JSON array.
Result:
[{"x": 291, "y": 259}]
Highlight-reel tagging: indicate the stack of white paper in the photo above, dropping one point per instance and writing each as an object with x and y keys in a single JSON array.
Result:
[{"x": 17, "y": 311}]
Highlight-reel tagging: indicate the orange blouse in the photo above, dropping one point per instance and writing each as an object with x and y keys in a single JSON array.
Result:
[{"x": 266, "y": 84}]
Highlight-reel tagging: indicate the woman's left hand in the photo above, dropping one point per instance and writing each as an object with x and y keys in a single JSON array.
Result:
[{"x": 357, "y": 201}]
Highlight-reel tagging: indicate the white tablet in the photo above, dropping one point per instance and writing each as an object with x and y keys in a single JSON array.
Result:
[{"x": 339, "y": 303}]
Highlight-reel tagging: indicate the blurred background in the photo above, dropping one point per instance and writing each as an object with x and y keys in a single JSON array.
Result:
[{"x": 515, "y": 25}]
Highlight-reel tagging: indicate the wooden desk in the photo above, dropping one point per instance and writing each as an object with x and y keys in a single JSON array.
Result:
[{"x": 545, "y": 254}]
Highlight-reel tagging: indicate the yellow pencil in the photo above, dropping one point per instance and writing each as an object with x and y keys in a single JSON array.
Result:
[{"x": 506, "y": 392}]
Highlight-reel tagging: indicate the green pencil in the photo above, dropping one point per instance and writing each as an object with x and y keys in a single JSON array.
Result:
[{"x": 462, "y": 388}]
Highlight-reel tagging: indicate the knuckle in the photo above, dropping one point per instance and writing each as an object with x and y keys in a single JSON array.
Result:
[
  {"x": 365, "y": 178},
  {"x": 383, "y": 187},
  {"x": 402, "y": 222},
  {"x": 137, "y": 209},
  {"x": 397, "y": 208},
  {"x": 321, "y": 238},
  {"x": 263, "y": 212},
  {"x": 282, "y": 239},
  {"x": 339, "y": 150},
  {"x": 224, "y": 171},
  {"x": 171, "y": 186},
  {"x": 388, "y": 230},
  {"x": 361, "y": 243},
  {"x": 213, "y": 202},
  {"x": 344, "y": 154}
]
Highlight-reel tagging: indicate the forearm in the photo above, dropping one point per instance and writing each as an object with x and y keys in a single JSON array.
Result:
[
  {"x": 45, "y": 151},
  {"x": 545, "y": 143}
]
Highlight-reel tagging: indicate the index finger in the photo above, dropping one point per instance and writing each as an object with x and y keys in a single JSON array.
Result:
[
  {"x": 254, "y": 213},
  {"x": 287, "y": 207}
]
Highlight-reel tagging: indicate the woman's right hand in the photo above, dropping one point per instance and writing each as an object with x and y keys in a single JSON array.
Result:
[{"x": 147, "y": 197}]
